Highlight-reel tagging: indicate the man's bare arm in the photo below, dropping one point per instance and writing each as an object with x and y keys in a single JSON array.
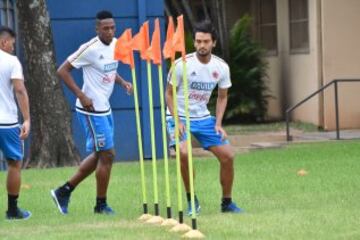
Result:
[
  {"x": 64, "y": 72},
  {"x": 23, "y": 102}
]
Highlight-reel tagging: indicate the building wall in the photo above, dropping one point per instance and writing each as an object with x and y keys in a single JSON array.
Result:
[
  {"x": 294, "y": 76},
  {"x": 341, "y": 54},
  {"x": 303, "y": 77},
  {"x": 277, "y": 70},
  {"x": 275, "y": 86},
  {"x": 334, "y": 53},
  {"x": 235, "y": 9}
]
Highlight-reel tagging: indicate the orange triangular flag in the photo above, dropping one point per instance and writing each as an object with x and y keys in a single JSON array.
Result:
[
  {"x": 178, "y": 43},
  {"x": 167, "y": 50},
  {"x": 141, "y": 41},
  {"x": 123, "y": 49},
  {"x": 154, "y": 51}
]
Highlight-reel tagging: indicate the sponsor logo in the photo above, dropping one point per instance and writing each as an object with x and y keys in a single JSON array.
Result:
[
  {"x": 203, "y": 86},
  {"x": 110, "y": 67},
  {"x": 109, "y": 78},
  {"x": 199, "y": 97}
]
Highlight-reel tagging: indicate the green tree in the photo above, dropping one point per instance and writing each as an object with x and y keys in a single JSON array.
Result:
[{"x": 248, "y": 97}]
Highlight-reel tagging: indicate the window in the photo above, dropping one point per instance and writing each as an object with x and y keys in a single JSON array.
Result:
[
  {"x": 299, "y": 26},
  {"x": 268, "y": 25},
  {"x": 7, "y": 18},
  {"x": 7, "y": 13}
]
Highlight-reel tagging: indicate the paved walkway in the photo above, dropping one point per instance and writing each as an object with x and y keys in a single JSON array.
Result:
[{"x": 264, "y": 140}]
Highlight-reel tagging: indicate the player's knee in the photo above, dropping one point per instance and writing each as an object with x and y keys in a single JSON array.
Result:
[
  {"x": 183, "y": 157},
  {"x": 107, "y": 156},
  {"x": 13, "y": 164},
  {"x": 228, "y": 158}
]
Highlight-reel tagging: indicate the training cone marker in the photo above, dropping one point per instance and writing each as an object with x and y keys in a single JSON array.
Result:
[
  {"x": 144, "y": 217},
  {"x": 169, "y": 222},
  {"x": 181, "y": 227},
  {"x": 155, "y": 220},
  {"x": 193, "y": 234},
  {"x": 302, "y": 172}
]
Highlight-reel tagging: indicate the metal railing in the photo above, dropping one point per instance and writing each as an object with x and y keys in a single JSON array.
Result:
[{"x": 335, "y": 82}]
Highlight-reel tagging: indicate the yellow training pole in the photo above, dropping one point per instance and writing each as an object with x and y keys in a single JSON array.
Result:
[
  {"x": 169, "y": 221},
  {"x": 194, "y": 233},
  {"x": 181, "y": 227},
  {"x": 155, "y": 219},
  {"x": 145, "y": 215}
]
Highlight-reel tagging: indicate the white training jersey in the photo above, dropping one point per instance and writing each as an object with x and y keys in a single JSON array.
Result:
[
  {"x": 99, "y": 71},
  {"x": 10, "y": 68},
  {"x": 202, "y": 79}
]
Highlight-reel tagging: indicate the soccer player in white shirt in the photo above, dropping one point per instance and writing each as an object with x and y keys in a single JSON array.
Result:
[
  {"x": 204, "y": 72},
  {"x": 96, "y": 58},
  {"x": 11, "y": 134}
]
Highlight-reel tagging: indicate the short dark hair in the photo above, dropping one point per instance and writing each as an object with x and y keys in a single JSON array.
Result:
[
  {"x": 104, "y": 14},
  {"x": 7, "y": 30},
  {"x": 205, "y": 27}
]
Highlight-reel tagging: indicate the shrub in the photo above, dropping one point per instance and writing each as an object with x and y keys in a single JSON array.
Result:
[{"x": 248, "y": 97}]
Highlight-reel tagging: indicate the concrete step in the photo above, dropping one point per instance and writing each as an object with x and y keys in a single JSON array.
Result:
[
  {"x": 265, "y": 140},
  {"x": 248, "y": 139}
]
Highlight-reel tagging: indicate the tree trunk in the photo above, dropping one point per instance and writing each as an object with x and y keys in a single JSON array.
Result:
[
  {"x": 189, "y": 14},
  {"x": 52, "y": 144},
  {"x": 224, "y": 30},
  {"x": 175, "y": 6},
  {"x": 205, "y": 9},
  {"x": 167, "y": 9},
  {"x": 218, "y": 14}
]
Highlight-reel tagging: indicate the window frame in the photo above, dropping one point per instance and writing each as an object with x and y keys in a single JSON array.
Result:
[
  {"x": 261, "y": 25},
  {"x": 294, "y": 50},
  {"x": 9, "y": 8}
]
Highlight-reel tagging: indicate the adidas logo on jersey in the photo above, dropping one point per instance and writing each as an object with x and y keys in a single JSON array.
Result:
[{"x": 101, "y": 57}]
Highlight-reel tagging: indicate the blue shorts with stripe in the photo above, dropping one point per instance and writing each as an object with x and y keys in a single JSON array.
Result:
[
  {"x": 99, "y": 131},
  {"x": 203, "y": 130},
  {"x": 10, "y": 143}
]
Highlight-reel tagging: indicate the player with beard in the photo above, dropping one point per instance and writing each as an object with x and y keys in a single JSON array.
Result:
[{"x": 205, "y": 71}]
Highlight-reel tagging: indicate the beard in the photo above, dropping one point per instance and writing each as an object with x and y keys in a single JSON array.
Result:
[{"x": 203, "y": 52}]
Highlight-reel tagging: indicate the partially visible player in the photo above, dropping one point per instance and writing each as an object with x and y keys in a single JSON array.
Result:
[{"x": 11, "y": 133}]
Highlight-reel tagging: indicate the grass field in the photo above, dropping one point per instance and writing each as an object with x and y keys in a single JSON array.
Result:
[{"x": 279, "y": 204}]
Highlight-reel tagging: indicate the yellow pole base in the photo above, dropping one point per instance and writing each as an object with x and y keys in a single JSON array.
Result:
[
  {"x": 144, "y": 217},
  {"x": 193, "y": 234},
  {"x": 155, "y": 220},
  {"x": 181, "y": 227},
  {"x": 169, "y": 222}
]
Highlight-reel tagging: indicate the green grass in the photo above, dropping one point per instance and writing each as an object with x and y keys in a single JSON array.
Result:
[
  {"x": 279, "y": 204},
  {"x": 269, "y": 127}
]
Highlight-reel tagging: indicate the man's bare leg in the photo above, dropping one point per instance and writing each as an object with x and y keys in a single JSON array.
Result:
[{"x": 87, "y": 167}]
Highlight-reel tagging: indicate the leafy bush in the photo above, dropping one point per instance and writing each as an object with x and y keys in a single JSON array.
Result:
[{"x": 248, "y": 97}]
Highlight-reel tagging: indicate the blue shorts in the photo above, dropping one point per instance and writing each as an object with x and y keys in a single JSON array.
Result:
[
  {"x": 10, "y": 143},
  {"x": 203, "y": 130},
  {"x": 99, "y": 131}
]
